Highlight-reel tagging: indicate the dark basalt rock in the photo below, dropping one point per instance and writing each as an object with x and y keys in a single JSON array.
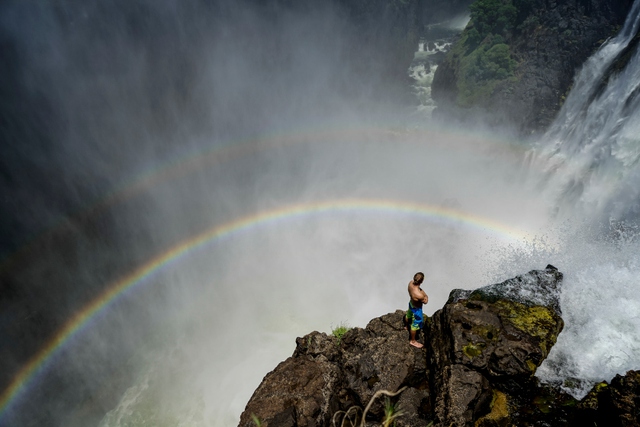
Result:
[
  {"x": 485, "y": 345},
  {"x": 538, "y": 287},
  {"x": 326, "y": 375},
  {"x": 477, "y": 369},
  {"x": 616, "y": 404}
]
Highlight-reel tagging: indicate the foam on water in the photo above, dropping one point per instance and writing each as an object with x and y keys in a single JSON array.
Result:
[
  {"x": 600, "y": 306},
  {"x": 591, "y": 158}
]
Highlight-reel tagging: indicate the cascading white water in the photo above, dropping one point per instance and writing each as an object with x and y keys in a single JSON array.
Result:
[
  {"x": 591, "y": 156},
  {"x": 591, "y": 151},
  {"x": 422, "y": 71},
  {"x": 437, "y": 41}
]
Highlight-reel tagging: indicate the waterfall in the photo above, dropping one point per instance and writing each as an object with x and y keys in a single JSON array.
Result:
[
  {"x": 432, "y": 48},
  {"x": 590, "y": 158},
  {"x": 591, "y": 151}
]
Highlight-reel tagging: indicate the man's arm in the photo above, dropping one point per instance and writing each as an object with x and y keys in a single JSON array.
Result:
[
  {"x": 417, "y": 294},
  {"x": 425, "y": 300}
]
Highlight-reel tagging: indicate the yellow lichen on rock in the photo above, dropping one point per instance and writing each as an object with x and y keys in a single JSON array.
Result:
[
  {"x": 499, "y": 414},
  {"x": 536, "y": 321},
  {"x": 472, "y": 350},
  {"x": 532, "y": 366}
]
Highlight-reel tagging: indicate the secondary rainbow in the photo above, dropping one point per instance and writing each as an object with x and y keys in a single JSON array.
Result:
[
  {"x": 200, "y": 158},
  {"x": 38, "y": 363}
]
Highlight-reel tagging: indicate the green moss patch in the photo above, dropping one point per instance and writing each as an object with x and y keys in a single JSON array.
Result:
[
  {"x": 499, "y": 410},
  {"x": 537, "y": 321},
  {"x": 543, "y": 403},
  {"x": 472, "y": 350}
]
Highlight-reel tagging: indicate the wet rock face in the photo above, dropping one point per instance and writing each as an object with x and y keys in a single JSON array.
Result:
[
  {"x": 616, "y": 404},
  {"x": 506, "y": 329},
  {"x": 484, "y": 338},
  {"x": 299, "y": 392},
  {"x": 502, "y": 339},
  {"x": 366, "y": 369},
  {"x": 536, "y": 288},
  {"x": 624, "y": 395}
]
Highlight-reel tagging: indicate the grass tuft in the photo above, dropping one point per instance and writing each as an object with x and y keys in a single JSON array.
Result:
[
  {"x": 256, "y": 420},
  {"x": 391, "y": 412},
  {"x": 351, "y": 416},
  {"x": 340, "y": 330}
]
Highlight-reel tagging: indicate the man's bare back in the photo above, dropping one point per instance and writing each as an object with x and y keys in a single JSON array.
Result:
[{"x": 418, "y": 296}]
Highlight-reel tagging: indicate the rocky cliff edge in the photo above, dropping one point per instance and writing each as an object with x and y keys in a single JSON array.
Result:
[{"x": 477, "y": 369}]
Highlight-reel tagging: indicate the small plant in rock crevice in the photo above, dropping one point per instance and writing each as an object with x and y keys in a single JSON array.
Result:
[
  {"x": 339, "y": 331},
  {"x": 391, "y": 412},
  {"x": 351, "y": 416}
]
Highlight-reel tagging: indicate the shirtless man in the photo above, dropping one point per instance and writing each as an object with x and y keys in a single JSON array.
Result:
[{"x": 414, "y": 317}]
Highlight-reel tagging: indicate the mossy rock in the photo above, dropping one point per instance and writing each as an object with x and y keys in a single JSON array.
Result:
[
  {"x": 590, "y": 401},
  {"x": 536, "y": 288},
  {"x": 536, "y": 321},
  {"x": 472, "y": 350},
  {"x": 500, "y": 414}
]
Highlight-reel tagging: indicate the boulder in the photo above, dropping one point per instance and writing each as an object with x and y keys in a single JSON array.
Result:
[
  {"x": 616, "y": 404},
  {"x": 299, "y": 392},
  {"x": 485, "y": 346}
]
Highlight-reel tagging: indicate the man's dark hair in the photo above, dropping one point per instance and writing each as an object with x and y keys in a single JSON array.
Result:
[{"x": 418, "y": 277}]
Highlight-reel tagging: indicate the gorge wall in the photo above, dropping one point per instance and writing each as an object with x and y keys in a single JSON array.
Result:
[{"x": 515, "y": 61}]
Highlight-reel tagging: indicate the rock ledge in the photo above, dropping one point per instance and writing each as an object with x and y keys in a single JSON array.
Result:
[{"x": 477, "y": 368}]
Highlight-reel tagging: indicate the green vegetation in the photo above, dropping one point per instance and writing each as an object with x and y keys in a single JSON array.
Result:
[
  {"x": 536, "y": 321},
  {"x": 256, "y": 420},
  {"x": 544, "y": 403},
  {"x": 355, "y": 414},
  {"x": 483, "y": 69},
  {"x": 483, "y": 53},
  {"x": 549, "y": 400},
  {"x": 472, "y": 350},
  {"x": 591, "y": 399},
  {"x": 391, "y": 412},
  {"x": 493, "y": 16},
  {"x": 499, "y": 409},
  {"x": 530, "y": 23},
  {"x": 339, "y": 331}
]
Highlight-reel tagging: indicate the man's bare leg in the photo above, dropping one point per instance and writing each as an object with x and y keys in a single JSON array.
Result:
[{"x": 413, "y": 341}]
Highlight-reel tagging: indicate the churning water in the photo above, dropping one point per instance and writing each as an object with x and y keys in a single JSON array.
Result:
[
  {"x": 591, "y": 156},
  {"x": 261, "y": 186}
]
